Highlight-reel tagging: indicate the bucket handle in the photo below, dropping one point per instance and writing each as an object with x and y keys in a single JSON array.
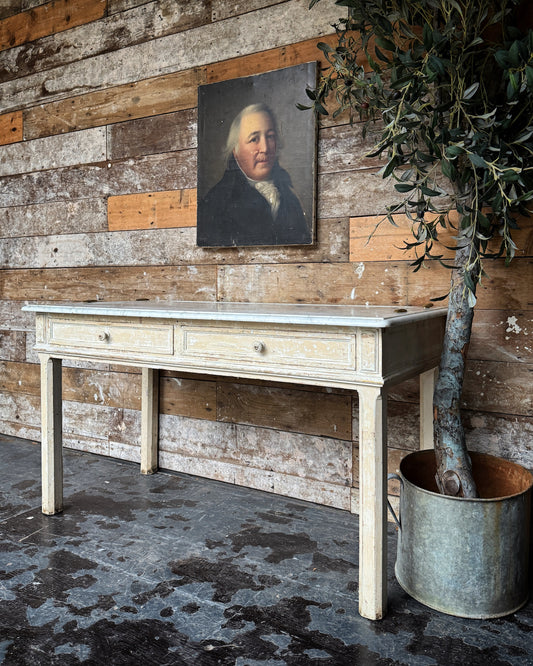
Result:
[{"x": 394, "y": 517}]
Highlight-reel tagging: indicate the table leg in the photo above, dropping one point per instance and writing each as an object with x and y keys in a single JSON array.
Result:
[
  {"x": 51, "y": 436},
  {"x": 427, "y": 387},
  {"x": 372, "y": 502},
  {"x": 149, "y": 420}
]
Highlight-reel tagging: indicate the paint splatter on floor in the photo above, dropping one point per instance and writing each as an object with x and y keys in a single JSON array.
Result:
[{"x": 171, "y": 569}]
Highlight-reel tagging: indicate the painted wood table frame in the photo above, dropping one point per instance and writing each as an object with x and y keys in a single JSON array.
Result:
[{"x": 366, "y": 349}]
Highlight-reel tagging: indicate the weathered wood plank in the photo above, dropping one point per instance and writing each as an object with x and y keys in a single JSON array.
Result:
[
  {"x": 162, "y": 95},
  {"x": 502, "y": 335},
  {"x": 510, "y": 437},
  {"x": 221, "y": 9},
  {"x": 193, "y": 398},
  {"x": 12, "y": 346},
  {"x": 10, "y": 7},
  {"x": 355, "y": 193},
  {"x": 61, "y": 217},
  {"x": 165, "y": 247},
  {"x": 11, "y": 128},
  {"x": 157, "y": 134},
  {"x": 53, "y": 152},
  {"x": 314, "y": 413},
  {"x": 12, "y": 316},
  {"x": 195, "y": 283},
  {"x": 146, "y": 22},
  {"x": 178, "y": 52},
  {"x": 152, "y": 210},
  {"x": 170, "y": 171},
  {"x": 115, "y": 6},
  {"x": 292, "y": 454},
  {"x": 374, "y": 238},
  {"x": 138, "y": 99},
  {"x": 47, "y": 19},
  {"x": 374, "y": 283},
  {"x": 343, "y": 148},
  {"x": 504, "y": 288},
  {"x": 491, "y": 386},
  {"x": 111, "y": 389},
  {"x": 270, "y": 59}
]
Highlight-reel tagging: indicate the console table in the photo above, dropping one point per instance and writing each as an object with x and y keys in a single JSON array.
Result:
[{"x": 367, "y": 349}]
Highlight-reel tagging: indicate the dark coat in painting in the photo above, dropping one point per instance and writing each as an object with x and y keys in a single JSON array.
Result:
[{"x": 233, "y": 213}]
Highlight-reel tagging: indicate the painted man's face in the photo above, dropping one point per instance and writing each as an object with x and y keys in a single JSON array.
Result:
[{"x": 256, "y": 149}]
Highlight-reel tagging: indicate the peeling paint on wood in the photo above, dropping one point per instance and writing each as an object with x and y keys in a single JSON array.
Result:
[
  {"x": 222, "y": 40},
  {"x": 314, "y": 283},
  {"x": 12, "y": 347},
  {"x": 163, "y": 283},
  {"x": 148, "y": 97},
  {"x": 170, "y": 171},
  {"x": 62, "y": 217},
  {"x": 144, "y": 23},
  {"x": 156, "y": 134},
  {"x": 54, "y": 152}
]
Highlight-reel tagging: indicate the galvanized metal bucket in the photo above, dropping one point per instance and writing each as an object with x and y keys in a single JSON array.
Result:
[{"x": 465, "y": 557}]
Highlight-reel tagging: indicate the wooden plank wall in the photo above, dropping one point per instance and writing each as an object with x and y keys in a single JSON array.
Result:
[{"x": 97, "y": 201}]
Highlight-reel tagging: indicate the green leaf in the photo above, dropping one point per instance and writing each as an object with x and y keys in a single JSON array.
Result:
[
  {"x": 502, "y": 58},
  {"x": 429, "y": 192},
  {"x": 325, "y": 48},
  {"x": 471, "y": 90},
  {"x": 448, "y": 169},
  {"x": 385, "y": 43},
  {"x": 404, "y": 187},
  {"x": 390, "y": 167},
  {"x": 514, "y": 54},
  {"x": 437, "y": 65},
  {"x": 381, "y": 55},
  {"x": 477, "y": 160},
  {"x": 529, "y": 77},
  {"x": 454, "y": 151},
  {"x": 427, "y": 36}
]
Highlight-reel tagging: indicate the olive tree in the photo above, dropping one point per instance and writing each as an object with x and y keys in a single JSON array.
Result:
[{"x": 451, "y": 84}]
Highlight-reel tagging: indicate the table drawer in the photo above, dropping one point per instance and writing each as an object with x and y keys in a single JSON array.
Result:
[
  {"x": 114, "y": 336},
  {"x": 263, "y": 346}
]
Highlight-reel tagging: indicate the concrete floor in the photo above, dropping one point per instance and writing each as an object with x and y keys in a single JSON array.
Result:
[{"x": 174, "y": 569}]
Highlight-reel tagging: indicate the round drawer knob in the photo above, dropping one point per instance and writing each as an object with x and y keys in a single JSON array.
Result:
[
  {"x": 259, "y": 347},
  {"x": 104, "y": 336}
]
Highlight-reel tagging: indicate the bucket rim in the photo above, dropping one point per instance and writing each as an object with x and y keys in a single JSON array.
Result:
[{"x": 426, "y": 452}]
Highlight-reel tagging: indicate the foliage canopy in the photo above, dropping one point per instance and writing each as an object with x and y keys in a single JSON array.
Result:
[{"x": 452, "y": 83}]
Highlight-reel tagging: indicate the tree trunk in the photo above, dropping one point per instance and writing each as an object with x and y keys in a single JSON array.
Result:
[{"x": 454, "y": 470}]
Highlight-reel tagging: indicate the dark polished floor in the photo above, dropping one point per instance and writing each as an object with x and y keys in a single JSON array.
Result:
[{"x": 173, "y": 569}]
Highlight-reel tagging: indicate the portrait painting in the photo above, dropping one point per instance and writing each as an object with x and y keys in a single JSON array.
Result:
[{"x": 257, "y": 160}]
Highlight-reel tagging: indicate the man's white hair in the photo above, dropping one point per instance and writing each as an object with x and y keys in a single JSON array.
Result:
[{"x": 234, "y": 130}]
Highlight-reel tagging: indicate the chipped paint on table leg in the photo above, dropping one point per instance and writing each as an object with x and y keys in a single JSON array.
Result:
[
  {"x": 51, "y": 435},
  {"x": 149, "y": 420},
  {"x": 372, "y": 502}
]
